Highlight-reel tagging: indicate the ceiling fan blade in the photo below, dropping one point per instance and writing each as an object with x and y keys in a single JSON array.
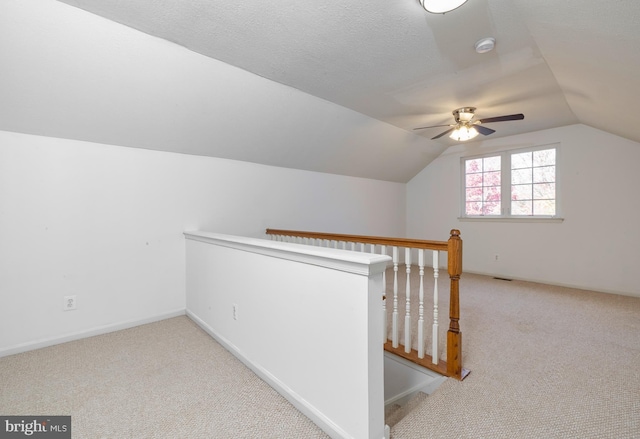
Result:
[
  {"x": 484, "y": 130},
  {"x": 442, "y": 134},
  {"x": 518, "y": 116},
  {"x": 433, "y": 126}
]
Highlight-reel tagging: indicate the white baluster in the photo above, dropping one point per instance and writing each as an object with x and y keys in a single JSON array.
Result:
[
  {"x": 353, "y": 246},
  {"x": 421, "y": 305},
  {"x": 394, "y": 315},
  {"x": 407, "y": 316},
  {"x": 362, "y": 247},
  {"x": 383, "y": 251},
  {"x": 434, "y": 335},
  {"x": 335, "y": 244},
  {"x": 344, "y": 245}
]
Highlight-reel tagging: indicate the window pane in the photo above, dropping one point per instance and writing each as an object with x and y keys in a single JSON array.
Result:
[
  {"x": 531, "y": 182},
  {"x": 521, "y": 208},
  {"x": 544, "y": 191},
  {"x": 492, "y": 178},
  {"x": 544, "y": 207},
  {"x": 521, "y": 176},
  {"x": 491, "y": 194},
  {"x": 474, "y": 165},
  {"x": 521, "y": 192},
  {"x": 474, "y": 194},
  {"x": 492, "y": 163},
  {"x": 492, "y": 208},
  {"x": 545, "y": 174},
  {"x": 544, "y": 158},
  {"x": 473, "y": 208},
  {"x": 473, "y": 180},
  {"x": 521, "y": 160}
]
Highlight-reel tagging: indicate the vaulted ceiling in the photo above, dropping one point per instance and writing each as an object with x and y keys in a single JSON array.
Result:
[{"x": 558, "y": 62}]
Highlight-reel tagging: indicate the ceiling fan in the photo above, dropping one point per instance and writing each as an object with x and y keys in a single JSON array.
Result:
[{"x": 466, "y": 128}]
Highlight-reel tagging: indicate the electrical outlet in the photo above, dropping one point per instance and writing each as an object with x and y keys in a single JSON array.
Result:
[
  {"x": 495, "y": 257},
  {"x": 70, "y": 303},
  {"x": 235, "y": 311}
]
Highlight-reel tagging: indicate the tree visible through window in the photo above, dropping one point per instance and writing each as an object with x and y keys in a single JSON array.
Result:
[
  {"x": 533, "y": 183},
  {"x": 529, "y": 176},
  {"x": 483, "y": 186}
]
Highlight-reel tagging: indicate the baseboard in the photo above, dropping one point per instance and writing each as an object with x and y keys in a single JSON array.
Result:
[
  {"x": 99, "y": 330},
  {"x": 296, "y": 400},
  {"x": 556, "y": 284}
]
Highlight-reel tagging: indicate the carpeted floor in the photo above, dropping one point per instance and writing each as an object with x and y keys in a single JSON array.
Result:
[
  {"x": 546, "y": 362},
  {"x": 167, "y": 379}
]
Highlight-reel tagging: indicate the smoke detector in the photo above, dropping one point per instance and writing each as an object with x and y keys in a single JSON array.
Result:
[{"x": 485, "y": 45}]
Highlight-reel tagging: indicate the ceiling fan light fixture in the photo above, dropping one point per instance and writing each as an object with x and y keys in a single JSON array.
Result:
[
  {"x": 464, "y": 114},
  {"x": 441, "y": 6},
  {"x": 463, "y": 133}
]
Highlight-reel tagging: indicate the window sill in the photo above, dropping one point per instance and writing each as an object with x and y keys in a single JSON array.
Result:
[{"x": 512, "y": 219}]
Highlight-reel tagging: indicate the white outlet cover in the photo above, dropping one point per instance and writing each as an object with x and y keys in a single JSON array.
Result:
[{"x": 70, "y": 303}]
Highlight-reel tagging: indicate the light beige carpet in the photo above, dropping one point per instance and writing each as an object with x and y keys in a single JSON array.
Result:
[
  {"x": 162, "y": 380},
  {"x": 546, "y": 362}
]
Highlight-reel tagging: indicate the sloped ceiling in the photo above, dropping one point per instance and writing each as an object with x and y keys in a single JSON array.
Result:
[{"x": 559, "y": 63}]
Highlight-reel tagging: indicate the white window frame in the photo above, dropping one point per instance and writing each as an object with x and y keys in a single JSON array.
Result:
[{"x": 505, "y": 186}]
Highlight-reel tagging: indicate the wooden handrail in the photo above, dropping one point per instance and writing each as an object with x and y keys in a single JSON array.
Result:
[
  {"x": 453, "y": 366},
  {"x": 395, "y": 242}
]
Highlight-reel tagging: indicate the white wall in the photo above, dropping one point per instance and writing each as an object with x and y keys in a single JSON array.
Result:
[
  {"x": 105, "y": 223},
  {"x": 595, "y": 247},
  {"x": 315, "y": 338}
]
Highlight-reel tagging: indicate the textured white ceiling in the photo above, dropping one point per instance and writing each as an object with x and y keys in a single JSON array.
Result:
[{"x": 559, "y": 63}]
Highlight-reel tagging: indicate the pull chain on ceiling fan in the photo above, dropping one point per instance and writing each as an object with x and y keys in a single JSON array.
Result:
[{"x": 466, "y": 129}]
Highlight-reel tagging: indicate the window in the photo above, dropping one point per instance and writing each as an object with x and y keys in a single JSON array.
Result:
[{"x": 518, "y": 183}]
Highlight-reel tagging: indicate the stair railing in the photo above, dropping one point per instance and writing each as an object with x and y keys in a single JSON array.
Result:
[{"x": 452, "y": 366}]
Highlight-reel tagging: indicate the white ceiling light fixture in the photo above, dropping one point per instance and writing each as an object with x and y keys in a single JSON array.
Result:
[
  {"x": 441, "y": 6},
  {"x": 464, "y": 114},
  {"x": 463, "y": 132},
  {"x": 464, "y": 129}
]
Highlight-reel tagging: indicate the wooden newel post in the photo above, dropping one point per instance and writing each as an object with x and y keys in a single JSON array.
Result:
[{"x": 454, "y": 336}]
